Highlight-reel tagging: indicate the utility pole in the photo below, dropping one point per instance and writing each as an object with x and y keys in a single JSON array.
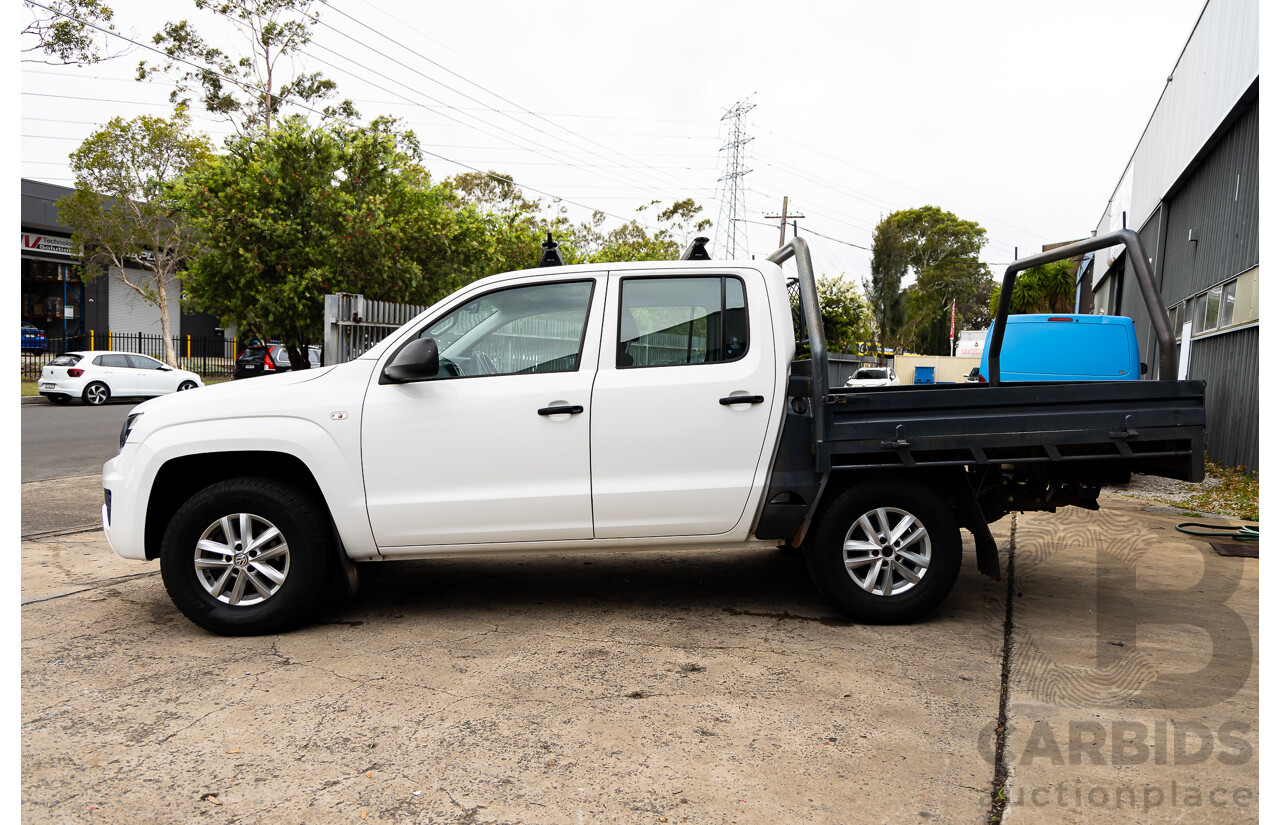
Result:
[{"x": 782, "y": 222}]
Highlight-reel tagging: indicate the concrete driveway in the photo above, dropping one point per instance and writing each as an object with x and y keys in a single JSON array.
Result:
[{"x": 661, "y": 687}]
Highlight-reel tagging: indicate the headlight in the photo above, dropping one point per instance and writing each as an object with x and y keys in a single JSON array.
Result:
[{"x": 128, "y": 427}]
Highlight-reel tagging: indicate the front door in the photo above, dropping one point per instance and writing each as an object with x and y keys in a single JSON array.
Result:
[
  {"x": 682, "y": 404},
  {"x": 496, "y": 448}
]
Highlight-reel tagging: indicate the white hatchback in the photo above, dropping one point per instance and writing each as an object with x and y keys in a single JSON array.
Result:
[
  {"x": 95, "y": 376},
  {"x": 873, "y": 377}
]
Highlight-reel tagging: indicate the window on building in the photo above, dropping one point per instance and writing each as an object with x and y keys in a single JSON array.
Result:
[
  {"x": 1226, "y": 305},
  {"x": 1226, "y": 311}
]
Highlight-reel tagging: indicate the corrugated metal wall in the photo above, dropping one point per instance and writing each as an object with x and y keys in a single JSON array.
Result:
[
  {"x": 1218, "y": 206},
  {"x": 1219, "y": 62},
  {"x": 1228, "y": 364}
]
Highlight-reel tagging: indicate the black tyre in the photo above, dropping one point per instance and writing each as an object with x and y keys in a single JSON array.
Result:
[
  {"x": 248, "y": 556},
  {"x": 96, "y": 394},
  {"x": 186, "y": 385},
  {"x": 885, "y": 552},
  {"x": 59, "y": 399}
]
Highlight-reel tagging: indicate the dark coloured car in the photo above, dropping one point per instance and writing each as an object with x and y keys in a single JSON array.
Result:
[
  {"x": 268, "y": 359},
  {"x": 33, "y": 338}
]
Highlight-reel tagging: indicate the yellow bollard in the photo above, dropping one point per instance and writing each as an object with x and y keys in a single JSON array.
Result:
[
  {"x": 91, "y": 340},
  {"x": 188, "y": 346}
]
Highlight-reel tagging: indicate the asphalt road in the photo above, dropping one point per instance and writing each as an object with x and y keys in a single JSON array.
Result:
[{"x": 75, "y": 440}]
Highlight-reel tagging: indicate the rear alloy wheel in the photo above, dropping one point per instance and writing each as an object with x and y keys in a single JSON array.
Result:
[
  {"x": 96, "y": 394},
  {"x": 247, "y": 556},
  {"x": 186, "y": 385},
  {"x": 885, "y": 552}
]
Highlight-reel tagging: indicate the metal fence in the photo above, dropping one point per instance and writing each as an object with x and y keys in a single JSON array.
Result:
[
  {"x": 208, "y": 355},
  {"x": 353, "y": 324}
]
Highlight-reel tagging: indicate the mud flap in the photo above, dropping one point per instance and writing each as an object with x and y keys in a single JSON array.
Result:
[{"x": 971, "y": 518}]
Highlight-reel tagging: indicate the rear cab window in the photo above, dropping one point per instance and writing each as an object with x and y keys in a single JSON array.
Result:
[
  {"x": 679, "y": 321},
  {"x": 68, "y": 360}
]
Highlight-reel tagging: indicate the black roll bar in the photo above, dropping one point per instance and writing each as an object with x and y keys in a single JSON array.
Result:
[
  {"x": 1141, "y": 269},
  {"x": 798, "y": 248}
]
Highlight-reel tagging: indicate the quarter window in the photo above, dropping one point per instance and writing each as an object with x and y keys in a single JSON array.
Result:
[{"x": 676, "y": 321}]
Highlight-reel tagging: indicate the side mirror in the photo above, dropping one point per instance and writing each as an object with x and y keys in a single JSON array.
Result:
[{"x": 418, "y": 361}]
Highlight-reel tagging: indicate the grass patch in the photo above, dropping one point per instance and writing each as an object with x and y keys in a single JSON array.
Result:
[
  {"x": 1235, "y": 495},
  {"x": 29, "y": 389}
]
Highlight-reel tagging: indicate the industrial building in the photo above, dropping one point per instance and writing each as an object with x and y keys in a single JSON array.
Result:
[{"x": 1190, "y": 190}]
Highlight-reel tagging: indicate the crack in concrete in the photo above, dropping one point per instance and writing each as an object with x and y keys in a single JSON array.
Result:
[{"x": 1000, "y": 778}]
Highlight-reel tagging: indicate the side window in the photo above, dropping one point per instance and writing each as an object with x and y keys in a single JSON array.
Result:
[
  {"x": 670, "y": 321},
  {"x": 526, "y": 329},
  {"x": 111, "y": 361},
  {"x": 142, "y": 362}
]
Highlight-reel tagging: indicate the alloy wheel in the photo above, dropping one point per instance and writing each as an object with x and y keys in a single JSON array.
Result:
[{"x": 242, "y": 559}]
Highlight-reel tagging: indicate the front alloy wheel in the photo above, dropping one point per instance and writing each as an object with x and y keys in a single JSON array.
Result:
[
  {"x": 242, "y": 559},
  {"x": 248, "y": 556}
]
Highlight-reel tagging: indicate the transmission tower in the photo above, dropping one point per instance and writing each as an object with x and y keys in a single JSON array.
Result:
[{"x": 732, "y": 195}]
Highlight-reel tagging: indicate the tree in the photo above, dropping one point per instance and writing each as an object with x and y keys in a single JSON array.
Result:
[
  {"x": 73, "y": 32},
  {"x": 846, "y": 316},
  {"x": 288, "y": 215},
  {"x": 942, "y": 251},
  {"x": 1046, "y": 288},
  {"x": 247, "y": 91},
  {"x": 889, "y": 264},
  {"x": 124, "y": 213}
]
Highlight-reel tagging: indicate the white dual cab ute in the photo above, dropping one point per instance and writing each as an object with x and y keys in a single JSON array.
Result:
[{"x": 613, "y": 407}]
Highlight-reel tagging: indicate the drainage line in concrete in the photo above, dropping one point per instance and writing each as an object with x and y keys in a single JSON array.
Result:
[
  {"x": 1000, "y": 781},
  {"x": 87, "y": 586},
  {"x": 62, "y": 531}
]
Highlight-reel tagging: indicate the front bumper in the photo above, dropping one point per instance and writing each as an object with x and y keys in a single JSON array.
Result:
[{"x": 124, "y": 521}]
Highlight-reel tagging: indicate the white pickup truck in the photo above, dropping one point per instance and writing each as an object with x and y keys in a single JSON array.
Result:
[{"x": 611, "y": 407}]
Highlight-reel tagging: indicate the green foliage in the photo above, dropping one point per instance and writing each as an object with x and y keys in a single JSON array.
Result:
[
  {"x": 65, "y": 34},
  {"x": 889, "y": 264},
  {"x": 1047, "y": 288},
  {"x": 847, "y": 317},
  {"x": 257, "y": 85},
  {"x": 289, "y": 215},
  {"x": 942, "y": 250},
  {"x": 518, "y": 226},
  {"x": 124, "y": 213}
]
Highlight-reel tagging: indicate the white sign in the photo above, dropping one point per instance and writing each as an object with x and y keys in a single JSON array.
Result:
[{"x": 46, "y": 243}]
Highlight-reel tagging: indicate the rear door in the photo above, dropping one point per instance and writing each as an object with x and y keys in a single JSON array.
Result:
[{"x": 682, "y": 403}]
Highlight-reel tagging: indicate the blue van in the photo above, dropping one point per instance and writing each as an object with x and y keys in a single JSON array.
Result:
[{"x": 1067, "y": 348}]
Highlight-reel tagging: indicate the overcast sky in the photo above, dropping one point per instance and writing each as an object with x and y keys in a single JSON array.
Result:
[{"x": 1019, "y": 115}]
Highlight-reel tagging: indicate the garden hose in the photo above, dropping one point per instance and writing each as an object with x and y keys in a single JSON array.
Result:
[{"x": 1245, "y": 532}]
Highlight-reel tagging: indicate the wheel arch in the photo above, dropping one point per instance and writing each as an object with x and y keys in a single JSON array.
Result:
[{"x": 181, "y": 477}]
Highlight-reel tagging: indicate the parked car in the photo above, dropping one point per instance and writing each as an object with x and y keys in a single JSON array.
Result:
[
  {"x": 975, "y": 376},
  {"x": 268, "y": 359},
  {"x": 33, "y": 338},
  {"x": 95, "y": 377},
  {"x": 873, "y": 377}
]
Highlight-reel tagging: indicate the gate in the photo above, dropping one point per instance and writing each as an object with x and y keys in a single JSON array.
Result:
[{"x": 353, "y": 324}]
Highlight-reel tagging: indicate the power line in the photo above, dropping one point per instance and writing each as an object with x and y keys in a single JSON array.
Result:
[{"x": 305, "y": 107}]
